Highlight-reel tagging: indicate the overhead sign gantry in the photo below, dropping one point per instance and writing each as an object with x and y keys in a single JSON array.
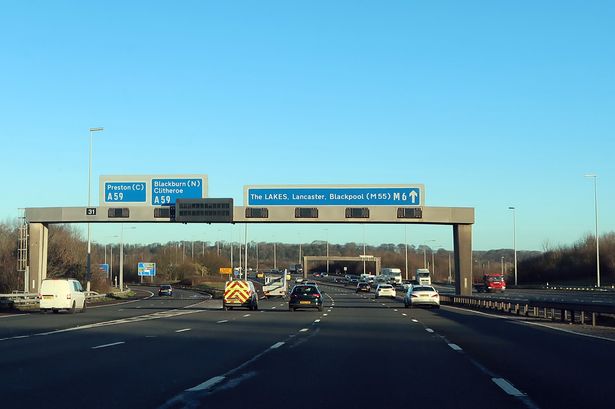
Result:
[{"x": 379, "y": 204}]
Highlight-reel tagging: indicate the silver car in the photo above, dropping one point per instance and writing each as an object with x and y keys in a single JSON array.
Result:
[{"x": 422, "y": 295}]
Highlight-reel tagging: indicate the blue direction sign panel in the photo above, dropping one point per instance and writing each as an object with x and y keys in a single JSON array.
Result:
[
  {"x": 393, "y": 195},
  {"x": 104, "y": 268},
  {"x": 167, "y": 191},
  {"x": 125, "y": 192},
  {"x": 146, "y": 269},
  {"x": 151, "y": 190}
]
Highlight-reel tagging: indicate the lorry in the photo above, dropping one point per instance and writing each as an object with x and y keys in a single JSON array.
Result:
[
  {"x": 490, "y": 283},
  {"x": 275, "y": 283},
  {"x": 391, "y": 275},
  {"x": 423, "y": 276}
]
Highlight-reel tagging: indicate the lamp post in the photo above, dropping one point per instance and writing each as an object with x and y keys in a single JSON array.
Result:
[
  {"x": 595, "y": 177},
  {"x": 502, "y": 264},
  {"x": 327, "y": 230},
  {"x": 364, "y": 272},
  {"x": 514, "y": 238},
  {"x": 425, "y": 253},
  {"x": 406, "y": 245},
  {"x": 88, "y": 263}
]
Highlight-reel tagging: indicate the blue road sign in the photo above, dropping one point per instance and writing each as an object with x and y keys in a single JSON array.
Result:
[
  {"x": 335, "y": 196},
  {"x": 146, "y": 269},
  {"x": 125, "y": 192},
  {"x": 104, "y": 268},
  {"x": 167, "y": 191}
]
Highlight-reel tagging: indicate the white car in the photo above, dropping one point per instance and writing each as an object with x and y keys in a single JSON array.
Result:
[
  {"x": 385, "y": 290},
  {"x": 422, "y": 295},
  {"x": 61, "y": 294}
]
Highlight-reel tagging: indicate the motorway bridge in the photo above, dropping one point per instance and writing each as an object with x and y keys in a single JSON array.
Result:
[{"x": 186, "y": 352}]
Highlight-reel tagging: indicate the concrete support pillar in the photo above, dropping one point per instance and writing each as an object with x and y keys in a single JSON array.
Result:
[
  {"x": 462, "y": 242},
  {"x": 39, "y": 236}
]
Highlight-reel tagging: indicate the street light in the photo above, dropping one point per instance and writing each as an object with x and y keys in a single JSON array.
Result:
[
  {"x": 327, "y": 230},
  {"x": 88, "y": 265},
  {"x": 595, "y": 177},
  {"x": 425, "y": 253},
  {"x": 406, "y": 244},
  {"x": 514, "y": 238}
]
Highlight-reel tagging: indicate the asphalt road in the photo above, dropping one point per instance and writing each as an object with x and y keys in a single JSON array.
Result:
[{"x": 185, "y": 352}]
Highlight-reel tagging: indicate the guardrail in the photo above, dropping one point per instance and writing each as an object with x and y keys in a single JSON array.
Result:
[{"x": 571, "y": 312}]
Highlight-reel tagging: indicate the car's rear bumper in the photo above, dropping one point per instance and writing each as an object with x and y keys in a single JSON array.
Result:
[{"x": 312, "y": 304}]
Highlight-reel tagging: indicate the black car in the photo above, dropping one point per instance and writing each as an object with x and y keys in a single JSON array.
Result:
[
  {"x": 305, "y": 296},
  {"x": 165, "y": 289},
  {"x": 364, "y": 286}
]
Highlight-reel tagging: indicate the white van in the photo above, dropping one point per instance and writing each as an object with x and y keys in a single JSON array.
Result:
[{"x": 61, "y": 294}]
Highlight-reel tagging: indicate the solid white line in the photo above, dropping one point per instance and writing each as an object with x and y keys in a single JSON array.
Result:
[
  {"x": 507, "y": 387},
  {"x": 455, "y": 347},
  {"x": 276, "y": 345},
  {"x": 303, "y": 330},
  {"x": 11, "y": 316},
  {"x": 108, "y": 345},
  {"x": 183, "y": 330},
  {"x": 21, "y": 337},
  {"x": 221, "y": 321},
  {"x": 568, "y": 331},
  {"x": 429, "y": 330},
  {"x": 207, "y": 384}
]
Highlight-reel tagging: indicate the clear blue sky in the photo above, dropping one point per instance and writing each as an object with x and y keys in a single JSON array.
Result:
[{"x": 489, "y": 104}]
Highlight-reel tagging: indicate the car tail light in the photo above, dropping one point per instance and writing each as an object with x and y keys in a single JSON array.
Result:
[
  {"x": 317, "y": 295},
  {"x": 415, "y": 296}
]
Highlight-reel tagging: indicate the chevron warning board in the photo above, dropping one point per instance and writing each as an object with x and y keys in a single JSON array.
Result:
[{"x": 236, "y": 292}]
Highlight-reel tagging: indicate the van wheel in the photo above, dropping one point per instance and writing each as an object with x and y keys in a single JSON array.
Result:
[
  {"x": 224, "y": 308},
  {"x": 72, "y": 309}
]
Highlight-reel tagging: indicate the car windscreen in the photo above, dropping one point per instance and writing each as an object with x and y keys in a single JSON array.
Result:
[
  {"x": 423, "y": 288},
  {"x": 165, "y": 287},
  {"x": 494, "y": 279},
  {"x": 305, "y": 289}
]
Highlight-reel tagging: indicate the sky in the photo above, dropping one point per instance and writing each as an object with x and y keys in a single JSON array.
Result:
[{"x": 489, "y": 104}]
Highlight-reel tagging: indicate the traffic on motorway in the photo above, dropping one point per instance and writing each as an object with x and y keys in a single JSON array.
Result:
[{"x": 342, "y": 343}]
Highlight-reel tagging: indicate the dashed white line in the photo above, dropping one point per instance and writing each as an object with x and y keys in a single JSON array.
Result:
[
  {"x": 207, "y": 384},
  {"x": 324, "y": 315},
  {"x": 276, "y": 345},
  {"x": 429, "y": 330},
  {"x": 455, "y": 347},
  {"x": 184, "y": 330},
  {"x": 221, "y": 321},
  {"x": 246, "y": 315},
  {"x": 108, "y": 345},
  {"x": 273, "y": 308},
  {"x": 395, "y": 310},
  {"x": 316, "y": 320},
  {"x": 413, "y": 320},
  {"x": 404, "y": 314},
  {"x": 507, "y": 387},
  {"x": 303, "y": 330}
]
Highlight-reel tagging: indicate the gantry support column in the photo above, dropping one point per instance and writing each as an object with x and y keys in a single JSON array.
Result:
[
  {"x": 39, "y": 237},
  {"x": 462, "y": 242}
]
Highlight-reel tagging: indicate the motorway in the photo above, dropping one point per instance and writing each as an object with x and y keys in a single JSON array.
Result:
[{"x": 185, "y": 352}]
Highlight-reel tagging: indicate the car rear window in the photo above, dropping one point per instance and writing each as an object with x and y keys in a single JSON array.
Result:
[
  {"x": 424, "y": 288},
  {"x": 305, "y": 289},
  {"x": 386, "y": 286}
]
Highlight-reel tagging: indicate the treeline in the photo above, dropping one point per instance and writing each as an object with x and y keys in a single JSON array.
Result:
[{"x": 177, "y": 261}]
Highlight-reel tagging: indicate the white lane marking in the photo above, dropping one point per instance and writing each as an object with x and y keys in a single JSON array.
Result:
[
  {"x": 395, "y": 310},
  {"x": 276, "y": 345},
  {"x": 404, "y": 314},
  {"x": 455, "y": 347},
  {"x": 246, "y": 315},
  {"x": 303, "y": 330},
  {"x": 221, "y": 321},
  {"x": 21, "y": 337},
  {"x": 383, "y": 304},
  {"x": 324, "y": 315},
  {"x": 413, "y": 320},
  {"x": 316, "y": 320},
  {"x": 183, "y": 330},
  {"x": 11, "y": 316},
  {"x": 567, "y": 331},
  {"x": 273, "y": 308},
  {"x": 538, "y": 324},
  {"x": 207, "y": 384},
  {"x": 429, "y": 330},
  {"x": 507, "y": 387},
  {"x": 108, "y": 345}
]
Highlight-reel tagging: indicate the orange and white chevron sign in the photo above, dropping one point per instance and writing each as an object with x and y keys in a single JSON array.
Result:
[{"x": 237, "y": 291}]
